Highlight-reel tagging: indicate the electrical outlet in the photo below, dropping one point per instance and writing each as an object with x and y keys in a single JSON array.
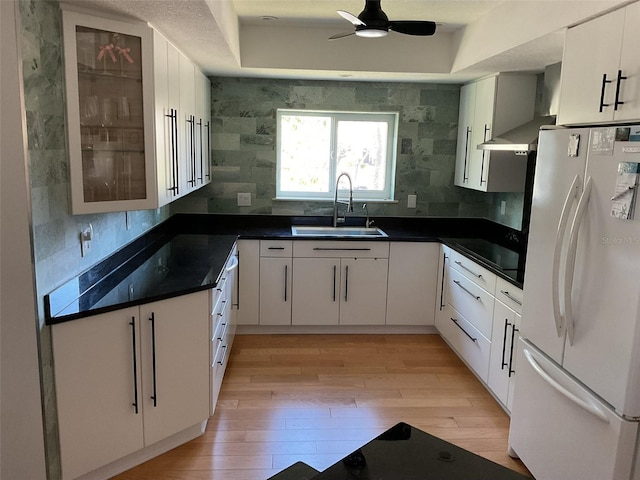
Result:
[
  {"x": 244, "y": 199},
  {"x": 411, "y": 201},
  {"x": 503, "y": 207}
]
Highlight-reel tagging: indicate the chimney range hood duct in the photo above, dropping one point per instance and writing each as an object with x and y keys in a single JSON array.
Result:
[{"x": 524, "y": 139}]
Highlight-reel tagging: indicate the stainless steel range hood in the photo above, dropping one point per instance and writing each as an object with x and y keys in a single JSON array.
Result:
[{"x": 524, "y": 138}]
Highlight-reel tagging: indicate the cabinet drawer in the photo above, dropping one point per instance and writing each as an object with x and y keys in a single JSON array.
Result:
[
  {"x": 474, "y": 272},
  {"x": 474, "y": 303},
  {"x": 340, "y": 249},
  {"x": 276, "y": 248},
  {"x": 466, "y": 341},
  {"x": 509, "y": 294}
]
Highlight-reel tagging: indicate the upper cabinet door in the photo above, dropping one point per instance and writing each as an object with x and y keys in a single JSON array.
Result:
[
  {"x": 483, "y": 130},
  {"x": 465, "y": 131},
  {"x": 589, "y": 69},
  {"x": 109, "y": 82},
  {"x": 629, "y": 91}
]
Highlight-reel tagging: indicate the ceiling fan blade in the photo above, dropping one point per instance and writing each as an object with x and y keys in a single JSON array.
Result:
[
  {"x": 341, "y": 35},
  {"x": 413, "y": 27},
  {"x": 350, "y": 17}
]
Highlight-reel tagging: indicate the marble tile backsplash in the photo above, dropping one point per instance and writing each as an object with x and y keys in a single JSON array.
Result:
[{"x": 244, "y": 145}]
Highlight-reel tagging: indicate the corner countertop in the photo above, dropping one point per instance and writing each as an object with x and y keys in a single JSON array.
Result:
[{"x": 187, "y": 253}]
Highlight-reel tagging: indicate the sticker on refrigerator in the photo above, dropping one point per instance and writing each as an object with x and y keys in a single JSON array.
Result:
[
  {"x": 624, "y": 200},
  {"x": 603, "y": 140}
]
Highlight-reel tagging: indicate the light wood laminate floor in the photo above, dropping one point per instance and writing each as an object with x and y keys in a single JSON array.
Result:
[{"x": 316, "y": 398}]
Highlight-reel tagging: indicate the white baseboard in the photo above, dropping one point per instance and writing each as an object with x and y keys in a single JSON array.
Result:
[{"x": 336, "y": 329}]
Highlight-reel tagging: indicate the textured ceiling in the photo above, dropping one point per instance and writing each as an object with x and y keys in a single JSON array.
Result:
[{"x": 288, "y": 38}]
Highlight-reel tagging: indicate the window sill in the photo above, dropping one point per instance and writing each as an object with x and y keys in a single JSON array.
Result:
[{"x": 355, "y": 200}]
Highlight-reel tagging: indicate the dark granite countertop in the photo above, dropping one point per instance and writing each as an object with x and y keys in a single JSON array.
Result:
[
  {"x": 405, "y": 453},
  {"x": 186, "y": 254}
]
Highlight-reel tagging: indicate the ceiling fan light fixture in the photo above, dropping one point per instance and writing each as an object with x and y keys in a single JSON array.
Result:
[{"x": 371, "y": 33}]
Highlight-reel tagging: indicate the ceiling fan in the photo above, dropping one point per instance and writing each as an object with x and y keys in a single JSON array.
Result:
[{"x": 373, "y": 22}]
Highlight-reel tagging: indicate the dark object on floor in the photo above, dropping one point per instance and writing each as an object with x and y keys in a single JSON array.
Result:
[
  {"x": 297, "y": 471},
  {"x": 404, "y": 452}
]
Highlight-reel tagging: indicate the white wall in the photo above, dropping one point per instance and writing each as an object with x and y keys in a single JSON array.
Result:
[{"x": 21, "y": 428}]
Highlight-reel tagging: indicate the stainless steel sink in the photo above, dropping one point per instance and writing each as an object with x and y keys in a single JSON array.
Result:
[{"x": 312, "y": 231}]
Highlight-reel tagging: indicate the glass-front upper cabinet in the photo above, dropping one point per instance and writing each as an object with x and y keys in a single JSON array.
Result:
[{"x": 110, "y": 110}]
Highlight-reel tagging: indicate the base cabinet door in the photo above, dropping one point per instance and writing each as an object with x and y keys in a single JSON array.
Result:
[
  {"x": 98, "y": 390},
  {"x": 275, "y": 291},
  {"x": 175, "y": 366},
  {"x": 316, "y": 295},
  {"x": 412, "y": 283},
  {"x": 363, "y": 297},
  {"x": 506, "y": 325},
  {"x": 247, "y": 299}
]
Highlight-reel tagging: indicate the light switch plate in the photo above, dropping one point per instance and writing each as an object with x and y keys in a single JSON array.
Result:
[
  {"x": 411, "y": 201},
  {"x": 244, "y": 199}
]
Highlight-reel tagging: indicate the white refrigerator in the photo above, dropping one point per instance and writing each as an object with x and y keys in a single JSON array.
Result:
[{"x": 577, "y": 394}]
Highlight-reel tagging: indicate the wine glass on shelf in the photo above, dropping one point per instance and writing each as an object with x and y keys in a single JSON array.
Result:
[{"x": 89, "y": 110}]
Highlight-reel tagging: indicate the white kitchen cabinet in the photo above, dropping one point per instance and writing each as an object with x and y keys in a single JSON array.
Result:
[
  {"x": 363, "y": 296},
  {"x": 316, "y": 291},
  {"x": 601, "y": 69},
  {"x": 444, "y": 256},
  {"x": 412, "y": 286},
  {"x": 504, "y": 339},
  {"x": 360, "y": 281},
  {"x": 187, "y": 123},
  {"x": 127, "y": 97},
  {"x": 276, "y": 272},
  {"x": 130, "y": 378},
  {"x": 488, "y": 108},
  {"x": 465, "y": 129},
  {"x": 223, "y": 326},
  {"x": 466, "y": 322},
  {"x": 98, "y": 384},
  {"x": 248, "y": 282},
  {"x": 203, "y": 129},
  {"x": 175, "y": 364}
]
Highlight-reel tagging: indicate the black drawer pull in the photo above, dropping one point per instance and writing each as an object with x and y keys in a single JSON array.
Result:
[{"x": 473, "y": 339}]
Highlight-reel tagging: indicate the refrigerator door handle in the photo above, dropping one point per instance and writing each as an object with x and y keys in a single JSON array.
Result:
[
  {"x": 590, "y": 407},
  {"x": 571, "y": 258},
  {"x": 562, "y": 228}
]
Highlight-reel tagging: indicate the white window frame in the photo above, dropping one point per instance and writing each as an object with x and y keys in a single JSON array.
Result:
[{"x": 385, "y": 195}]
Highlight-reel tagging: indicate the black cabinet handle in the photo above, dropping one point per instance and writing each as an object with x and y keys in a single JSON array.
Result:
[
  {"x": 444, "y": 268},
  {"x": 335, "y": 269},
  {"x": 604, "y": 87},
  {"x": 346, "y": 283},
  {"x": 465, "y": 177},
  {"x": 208, "y": 157},
  {"x": 201, "y": 148},
  {"x": 473, "y": 339},
  {"x": 238, "y": 281},
  {"x": 617, "y": 101},
  {"x": 286, "y": 281},
  {"x": 504, "y": 343},
  {"x": 135, "y": 364},
  {"x": 192, "y": 150},
  {"x": 513, "y": 336},
  {"x": 173, "y": 135},
  {"x": 466, "y": 290},
  {"x": 484, "y": 152},
  {"x": 154, "y": 397}
]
